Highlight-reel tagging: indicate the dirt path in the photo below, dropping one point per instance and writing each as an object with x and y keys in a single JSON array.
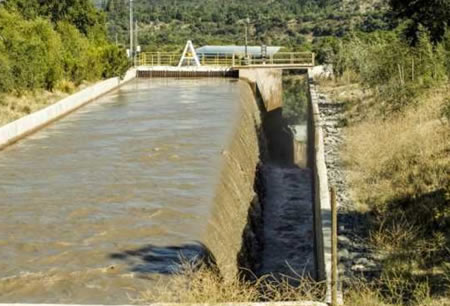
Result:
[{"x": 288, "y": 222}]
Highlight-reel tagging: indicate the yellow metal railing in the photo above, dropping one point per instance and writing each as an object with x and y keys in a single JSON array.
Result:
[
  {"x": 158, "y": 59},
  {"x": 304, "y": 59}
]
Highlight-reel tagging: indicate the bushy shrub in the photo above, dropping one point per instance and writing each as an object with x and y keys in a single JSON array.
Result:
[
  {"x": 33, "y": 51},
  {"x": 6, "y": 78},
  {"x": 75, "y": 52},
  {"x": 385, "y": 62},
  {"x": 116, "y": 62},
  {"x": 38, "y": 54}
]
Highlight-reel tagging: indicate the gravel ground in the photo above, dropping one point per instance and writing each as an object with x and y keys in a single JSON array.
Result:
[{"x": 356, "y": 259}]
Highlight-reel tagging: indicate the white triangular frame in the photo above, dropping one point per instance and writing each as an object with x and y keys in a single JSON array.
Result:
[{"x": 189, "y": 47}]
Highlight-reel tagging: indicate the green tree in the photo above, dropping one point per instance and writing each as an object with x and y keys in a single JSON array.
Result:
[
  {"x": 434, "y": 15},
  {"x": 81, "y": 13},
  {"x": 6, "y": 78},
  {"x": 116, "y": 62},
  {"x": 43, "y": 44}
]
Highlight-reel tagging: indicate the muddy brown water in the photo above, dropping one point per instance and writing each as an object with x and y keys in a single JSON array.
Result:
[{"x": 95, "y": 207}]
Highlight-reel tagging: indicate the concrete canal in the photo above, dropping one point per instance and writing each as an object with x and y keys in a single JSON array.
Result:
[{"x": 101, "y": 205}]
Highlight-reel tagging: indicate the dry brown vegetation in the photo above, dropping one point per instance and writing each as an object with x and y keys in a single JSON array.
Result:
[
  {"x": 13, "y": 107},
  {"x": 402, "y": 156},
  {"x": 201, "y": 285},
  {"x": 399, "y": 171}
]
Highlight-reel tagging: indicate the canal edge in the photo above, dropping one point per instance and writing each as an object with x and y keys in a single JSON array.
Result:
[{"x": 27, "y": 125}]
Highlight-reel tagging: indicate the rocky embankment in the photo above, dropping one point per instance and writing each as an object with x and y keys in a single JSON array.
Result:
[{"x": 356, "y": 259}]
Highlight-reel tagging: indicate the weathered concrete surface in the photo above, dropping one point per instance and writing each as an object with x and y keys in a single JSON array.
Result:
[
  {"x": 322, "y": 71},
  {"x": 230, "y": 236},
  {"x": 356, "y": 257},
  {"x": 184, "y": 68},
  {"x": 29, "y": 124},
  {"x": 268, "y": 82},
  {"x": 185, "y": 72},
  {"x": 322, "y": 195}
]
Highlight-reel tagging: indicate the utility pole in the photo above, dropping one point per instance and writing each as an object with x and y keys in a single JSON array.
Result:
[
  {"x": 131, "y": 30},
  {"x": 247, "y": 22},
  {"x": 246, "y": 58},
  {"x": 136, "y": 42}
]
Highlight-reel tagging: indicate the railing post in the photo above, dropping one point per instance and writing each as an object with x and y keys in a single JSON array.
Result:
[
  {"x": 313, "y": 55},
  {"x": 233, "y": 60},
  {"x": 334, "y": 259}
]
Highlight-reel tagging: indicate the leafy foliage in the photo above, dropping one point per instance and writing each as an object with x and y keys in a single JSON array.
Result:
[
  {"x": 289, "y": 23},
  {"x": 46, "y": 42},
  {"x": 295, "y": 100},
  {"x": 434, "y": 15},
  {"x": 81, "y": 13},
  {"x": 385, "y": 62}
]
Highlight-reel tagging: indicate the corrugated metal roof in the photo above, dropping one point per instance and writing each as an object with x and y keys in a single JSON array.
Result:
[{"x": 251, "y": 50}]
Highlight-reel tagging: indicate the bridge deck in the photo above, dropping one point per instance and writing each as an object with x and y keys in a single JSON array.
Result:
[
  {"x": 282, "y": 60},
  {"x": 274, "y": 66}
]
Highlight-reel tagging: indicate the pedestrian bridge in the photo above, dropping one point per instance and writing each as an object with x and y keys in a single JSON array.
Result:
[
  {"x": 280, "y": 60},
  {"x": 164, "y": 64},
  {"x": 219, "y": 61}
]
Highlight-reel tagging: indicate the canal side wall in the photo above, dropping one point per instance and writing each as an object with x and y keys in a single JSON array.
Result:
[
  {"x": 234, "y": 233},
  {"x": 24, "y": 126},
  {"x": 322, "y": 203},
  {"x": 268, "y": 82}
]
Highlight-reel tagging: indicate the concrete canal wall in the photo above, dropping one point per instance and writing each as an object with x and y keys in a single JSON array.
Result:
[
  {"x": 322, "y": 201},
  {"x": 24, "y": 126},
  {"x": 269, "y": 84},
  {"x": 233, "y": 235}
]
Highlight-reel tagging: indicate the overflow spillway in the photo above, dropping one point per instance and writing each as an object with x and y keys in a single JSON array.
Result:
[
  {"x": 206, "y": 160},
  {"x": 262, "y": 220}
]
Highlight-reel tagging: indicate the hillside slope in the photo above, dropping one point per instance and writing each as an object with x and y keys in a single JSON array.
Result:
[{"x": 290, "y": 23}]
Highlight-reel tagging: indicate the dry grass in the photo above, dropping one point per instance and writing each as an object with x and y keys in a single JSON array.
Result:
[
  {"x": 398, "y": 166},
  {"x": 391, "y": 291},
  {"x": 203, "y": 286},
  {"x": 200, "y": 285},
  {"x": 13, "y": 107},
  {"x": 402, "y": 156},
  {"x": 399, "y": 174}
]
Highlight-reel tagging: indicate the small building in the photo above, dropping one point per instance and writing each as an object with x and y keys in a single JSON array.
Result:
[{"x": 223, "y": 51}]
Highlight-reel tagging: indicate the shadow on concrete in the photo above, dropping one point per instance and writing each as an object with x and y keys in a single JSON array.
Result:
[
  {"x": 280, "y": 141},
  {"x": 166, "y": 259}
]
